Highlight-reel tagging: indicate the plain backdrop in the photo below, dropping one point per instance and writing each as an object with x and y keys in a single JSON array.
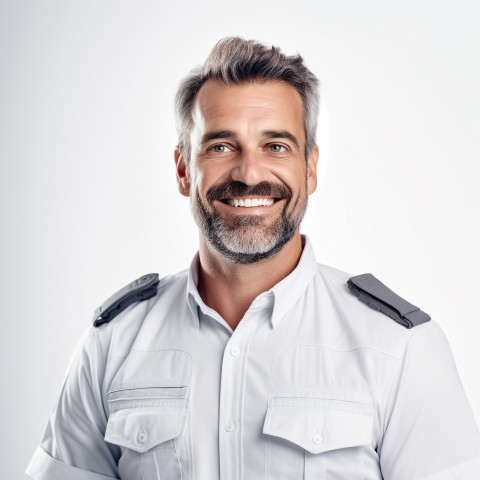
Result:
[{"x": 87, "y": 183}]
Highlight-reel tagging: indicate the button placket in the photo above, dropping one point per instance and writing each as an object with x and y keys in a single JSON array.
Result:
[{"x": 231, "y": 400}]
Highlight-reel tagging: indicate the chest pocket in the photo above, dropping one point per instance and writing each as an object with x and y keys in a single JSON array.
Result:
[
  {"x": 148, "y": 411},
  {"x": 312, "y": 438},
  {"x": 320, "y": 415}
]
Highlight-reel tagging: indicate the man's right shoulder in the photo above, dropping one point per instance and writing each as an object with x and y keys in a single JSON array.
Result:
[{"x": 119, "y": 319}]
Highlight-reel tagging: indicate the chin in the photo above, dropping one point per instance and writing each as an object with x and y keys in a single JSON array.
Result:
[{"x": 249, "y": 246}]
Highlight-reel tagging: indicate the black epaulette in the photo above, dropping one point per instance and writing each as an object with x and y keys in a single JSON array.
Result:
[
  {"x": 375, "y": 294},
  {"x": 141, "y": 289}
]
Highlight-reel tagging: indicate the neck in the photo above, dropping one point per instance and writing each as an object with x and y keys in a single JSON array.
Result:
[{"x": 230, "y": 288}]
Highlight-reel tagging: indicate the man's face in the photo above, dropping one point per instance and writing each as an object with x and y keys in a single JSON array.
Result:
[{"x": 247, "y": 179}]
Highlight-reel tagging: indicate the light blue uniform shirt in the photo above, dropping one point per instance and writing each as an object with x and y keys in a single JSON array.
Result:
[{"x": 312, "y": 384}]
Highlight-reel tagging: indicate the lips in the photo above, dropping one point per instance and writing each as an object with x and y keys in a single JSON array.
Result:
[{"x": 238, "y": 194}]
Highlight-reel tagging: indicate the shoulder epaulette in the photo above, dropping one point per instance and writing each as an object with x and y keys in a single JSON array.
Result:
[
  {"x": 375, "y": 294},
  {"x": 141, "y": 289}
]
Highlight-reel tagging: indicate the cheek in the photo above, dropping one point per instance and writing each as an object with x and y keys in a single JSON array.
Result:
[
  {"x": 295, "y": 176},
  {"x": 201, "y": 183},
  {"x": 210, "y": 176}
]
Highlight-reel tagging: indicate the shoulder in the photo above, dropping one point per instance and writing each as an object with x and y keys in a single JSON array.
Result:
[
  {"x": 144, "y": 288},
  {"x": 117, "y": 322},
  {"x": 138, "y": 290},
  {"x": 102, "y": 349},
  {"x": 368, "y": 312}
]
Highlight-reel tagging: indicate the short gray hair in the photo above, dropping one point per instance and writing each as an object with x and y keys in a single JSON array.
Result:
[{"x": 234, "y": 60}]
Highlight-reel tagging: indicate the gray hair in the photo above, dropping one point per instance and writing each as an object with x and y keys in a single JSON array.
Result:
[{"x": 234, "y": 60}]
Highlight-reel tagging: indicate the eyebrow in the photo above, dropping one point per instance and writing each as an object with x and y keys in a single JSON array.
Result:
[
  {"x": 281, "y": 134},
  {"x": 209, "y": 136}
]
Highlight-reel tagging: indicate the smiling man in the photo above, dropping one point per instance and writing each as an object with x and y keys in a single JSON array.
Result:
[
  {"x": 249, "y": 181},
  {"x": 257, "y": 362}
]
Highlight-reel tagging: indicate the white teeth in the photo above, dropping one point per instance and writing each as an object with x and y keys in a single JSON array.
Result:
[{"x": 250, "y": 202}]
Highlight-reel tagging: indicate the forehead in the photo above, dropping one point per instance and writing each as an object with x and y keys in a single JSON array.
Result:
[{"x": 273, "y": 101}]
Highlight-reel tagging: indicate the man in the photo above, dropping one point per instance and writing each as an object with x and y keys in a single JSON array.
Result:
[{"x": 257, "y": 363}]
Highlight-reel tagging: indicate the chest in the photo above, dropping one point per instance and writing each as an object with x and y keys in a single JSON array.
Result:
[{"x": 258, "y": 403}]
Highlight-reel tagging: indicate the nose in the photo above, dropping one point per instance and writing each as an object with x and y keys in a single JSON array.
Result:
[{"x": 249, "y": 168}]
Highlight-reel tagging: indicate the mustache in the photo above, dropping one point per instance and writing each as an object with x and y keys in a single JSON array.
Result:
[{"x": 240, "y": 189}]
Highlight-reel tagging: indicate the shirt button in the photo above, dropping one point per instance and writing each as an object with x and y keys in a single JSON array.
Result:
[
  {"x": 234, "y": 351},
  {"x": 317, "y": 439},
  {"x": 230, "y": 426},
  {"x": 142, "y": 436}
]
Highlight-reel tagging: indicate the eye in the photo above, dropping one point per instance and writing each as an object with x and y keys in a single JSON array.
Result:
[
  {"x": 220, "y": 148},
  {"x": 277, "y": 148}
]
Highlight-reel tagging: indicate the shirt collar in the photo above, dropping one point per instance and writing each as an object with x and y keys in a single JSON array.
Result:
[
  {"x": 193, "y": 297},
  {"x": 280, "y": 297},
  {"x": 194, "y": 300},
  {"x": 287, "y": 291}
]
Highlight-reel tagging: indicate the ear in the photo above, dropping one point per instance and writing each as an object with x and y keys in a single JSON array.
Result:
[
  {"x": 183, "y": 181},
  {"x": 312, "y": 170}
]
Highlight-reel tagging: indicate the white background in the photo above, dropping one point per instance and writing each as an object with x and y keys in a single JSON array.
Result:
[{"x": 87, "y": 191}]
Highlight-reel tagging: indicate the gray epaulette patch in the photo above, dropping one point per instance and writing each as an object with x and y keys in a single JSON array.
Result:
[
  {"x": 141, "y": 289},
  {"x": 375, "y": 294}
]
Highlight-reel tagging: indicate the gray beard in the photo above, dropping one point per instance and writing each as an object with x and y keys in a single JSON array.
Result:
[{"x": 247, "y": 241}]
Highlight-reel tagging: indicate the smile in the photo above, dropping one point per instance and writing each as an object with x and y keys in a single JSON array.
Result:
[{"x": 249, "y": 202}]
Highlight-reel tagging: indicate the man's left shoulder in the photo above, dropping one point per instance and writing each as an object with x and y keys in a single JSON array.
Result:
[
  {"x": 367, "y": 308},
  {"x": 371, "y": 291}
]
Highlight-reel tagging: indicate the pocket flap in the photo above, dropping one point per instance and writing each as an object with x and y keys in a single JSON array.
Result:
[
  {"x": 319, "y": 425},
  {"x": 143, "y": 428}
]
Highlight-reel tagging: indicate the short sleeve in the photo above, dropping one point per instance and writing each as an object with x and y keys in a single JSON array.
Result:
[
  {"x": 431, "y": 433},
  {"x": 73, "y": 445}
]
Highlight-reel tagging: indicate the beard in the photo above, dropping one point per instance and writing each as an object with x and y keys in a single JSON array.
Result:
[{"x": 246, "y": 239}]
